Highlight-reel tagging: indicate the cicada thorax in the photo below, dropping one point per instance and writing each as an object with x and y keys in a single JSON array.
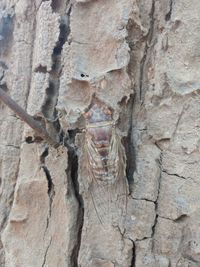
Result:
[{"x": 100, "y": 143}]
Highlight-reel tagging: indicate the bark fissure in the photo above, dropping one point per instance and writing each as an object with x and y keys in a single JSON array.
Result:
[
  {"x": 146, "y": 50},
  {"x": 129, "y": 147},
  {"x": 180, "y": 176},
  {"x": 52, "y": 92},
  {"x": 10, "y": 145},
  {"x": 143, "y": 238},
  {"x": 50, "y": 191},
  {"x": 169, "y": 14},
  {"x": 72, "y": 172},
  {"x": 156, "y": 202},
  {"x": 128, "y": 143},
  {"x": 69, "y": 141},
  {"x": 46, "y": 253},
  {"x": 175, "y": 174},
  {"x": 181, "y": 218},
  {"x": 133, "y": 254},
  {"x": 144, "y": 199},
  {"x": 179, "y": 120}
]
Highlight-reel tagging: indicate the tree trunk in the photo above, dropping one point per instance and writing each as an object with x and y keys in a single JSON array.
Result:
[{"x": 116, "y": 83}]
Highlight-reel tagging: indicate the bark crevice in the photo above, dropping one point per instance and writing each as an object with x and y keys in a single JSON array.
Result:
[
  {"x": 46, "y": 253},
  {"x": 149, "y": 40},
  {"x": 52, "y": 92},
  {"x": 169, "y": 14},
  {"x": 133, "y": 254},
  {"x": 72, "y": 172},
  {"x": 156, "y": 202},
  {"x": 48, "y": 108},
  {"x": 175, "y": 174},
  {"x": 144, "y": 199},
  {"x": 128, "y": 143},
  {"x": 50, "y": 191}
]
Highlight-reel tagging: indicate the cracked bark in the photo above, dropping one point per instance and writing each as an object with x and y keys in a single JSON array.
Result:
[
  {"x": 45, "y": 256},
  {"x": 169, "y": 14},
  {"x": 51, "y": 191},
  {"x": 71, "y": 54},
  {"x": 72, "y": 172},
  {"x": 148, "y": 45}
]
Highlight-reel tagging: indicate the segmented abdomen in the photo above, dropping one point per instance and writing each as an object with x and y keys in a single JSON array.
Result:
[
  {"x": 102, "y": 152},
  {"x": 101, "y": 142}
]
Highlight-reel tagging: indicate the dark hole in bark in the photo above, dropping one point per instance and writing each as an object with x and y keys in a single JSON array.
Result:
[
  {"x": 84, "y": 75},
  {"x": 29, "y": 139}
]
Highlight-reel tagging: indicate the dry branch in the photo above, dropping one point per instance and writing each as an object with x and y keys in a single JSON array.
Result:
[{"x": 24, "y": 116}]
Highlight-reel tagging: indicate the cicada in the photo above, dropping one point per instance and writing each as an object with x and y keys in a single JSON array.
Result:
[{"x": 106, "y": 164}]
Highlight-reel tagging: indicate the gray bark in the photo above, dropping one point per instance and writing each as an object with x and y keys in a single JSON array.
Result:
[{"x": 140, "y": 58}]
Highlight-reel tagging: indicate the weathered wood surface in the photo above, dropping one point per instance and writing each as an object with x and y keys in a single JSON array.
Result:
[{"x": 140, "y": 59}]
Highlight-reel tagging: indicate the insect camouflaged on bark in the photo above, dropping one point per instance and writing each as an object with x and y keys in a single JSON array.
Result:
[
  {"x": 105, "y": 163},
  {"x": 105, "y": 156}
]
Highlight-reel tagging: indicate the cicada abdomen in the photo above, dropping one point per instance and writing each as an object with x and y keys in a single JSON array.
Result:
[{"x": 106, "y": 164}]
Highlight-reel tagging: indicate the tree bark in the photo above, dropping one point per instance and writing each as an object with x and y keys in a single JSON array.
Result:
[{"x": 117, "y": 82}]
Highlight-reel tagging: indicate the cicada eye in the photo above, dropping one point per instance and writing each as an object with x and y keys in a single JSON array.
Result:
[{"x": 88, "y": 114}]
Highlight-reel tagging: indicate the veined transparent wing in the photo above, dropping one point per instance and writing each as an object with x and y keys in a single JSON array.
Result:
[{"x": 107, "y": 180}]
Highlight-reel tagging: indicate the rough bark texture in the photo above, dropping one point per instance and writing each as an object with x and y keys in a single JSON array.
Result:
[{"x": 141, "y": 59}]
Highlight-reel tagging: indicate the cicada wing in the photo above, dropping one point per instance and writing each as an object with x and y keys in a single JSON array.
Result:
[
  {"x": 109, "y": 195},
  {"x": 101, "y": 199},
  {"x": 98, "y": 190},
  {"x": 120, "y": 185}
]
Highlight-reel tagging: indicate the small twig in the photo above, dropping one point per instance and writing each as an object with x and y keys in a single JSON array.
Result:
[{"x": 23, "y": 115}]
